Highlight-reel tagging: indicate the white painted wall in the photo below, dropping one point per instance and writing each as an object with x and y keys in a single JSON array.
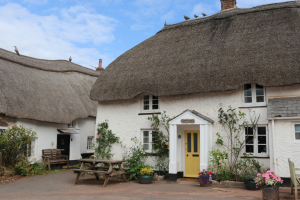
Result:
[
  {"x": 125, "y": 122},
  {"x": 47, "y": 135}
]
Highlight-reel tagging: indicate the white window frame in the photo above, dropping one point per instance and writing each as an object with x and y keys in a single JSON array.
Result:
[
  {"x": 150, "y": 150},
  {"x": 31, "y": 153},
  {"x": 253, "y": 95},
  {"x": 297, "y": 124},
  {"x": 255, "y": 143},
  {"x": 150, "y": 103},
  {"x": 89, "y": 144}
]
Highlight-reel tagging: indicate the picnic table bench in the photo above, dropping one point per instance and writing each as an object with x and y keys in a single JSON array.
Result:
[
  {"x": 111, "y": 171},
  {"x": 54, "y": 156},
  {"x": 295, "y": 178}
]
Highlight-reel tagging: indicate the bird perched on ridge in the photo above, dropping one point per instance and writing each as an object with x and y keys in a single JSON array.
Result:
[
  {"x": 196, "y": 16},
  {"x": 70, "y": 59},
  {"x": 16, "y": 50},
  {"x": 186, "y": 17},
  {"x": 204, "y": 15}
]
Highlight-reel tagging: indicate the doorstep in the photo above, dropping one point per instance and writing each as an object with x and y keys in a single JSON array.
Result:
[{"x": 195, "y": 181}]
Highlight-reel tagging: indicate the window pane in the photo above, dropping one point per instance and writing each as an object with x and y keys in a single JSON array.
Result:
[
  {"x": 260, "y": 92},
  {"x": 260, "y": 99},
  {"x": 262, "y": 148},
  {"x": 248, "y": 131},
  {"x": 247, "y": 86},
  {"x": 248, "y": 93},
  {"x": 146, "y": 146},
  {"x": 297, "y": 127},
  {"x": 262, "y": 140},
  {"x": 146, "y": 140},
  {"x": 297, "y": 136},
  {"x": 249, "y": 149},
  {"x": 248, "y": 99},
  {"x": 155, "y": 107},
  {"x": 146, "y": 107},
  {"x": 249, "y": 140},
  {"x": 155, "y": 97},
  {"x": 146, "y": 133},
  {"x": 195, "y": 142},
  {"x": 155, "y": 101},
  {"x": 261, "y": 130},
  {"x": 259, "y": 87},
  {"x": 189, "y": 145},
  {"x": 146, "y": 102},
  {"x": 146, "y": 97}
]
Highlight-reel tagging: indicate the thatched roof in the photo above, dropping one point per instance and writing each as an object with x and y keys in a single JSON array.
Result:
[
  {"x": 217, "y": 53},
  {"x": 45, "y": 90}
]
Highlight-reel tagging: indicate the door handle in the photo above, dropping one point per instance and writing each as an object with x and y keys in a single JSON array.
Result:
[{"x": 187, "y": 155}]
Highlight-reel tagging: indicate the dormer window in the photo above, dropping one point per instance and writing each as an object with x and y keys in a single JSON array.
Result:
[
  {"x": 150, "y": 103},
  {"x": 254, "y": 95}
]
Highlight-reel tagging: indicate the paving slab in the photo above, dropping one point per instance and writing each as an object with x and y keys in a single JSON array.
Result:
[{"x": 61, "y": 186}]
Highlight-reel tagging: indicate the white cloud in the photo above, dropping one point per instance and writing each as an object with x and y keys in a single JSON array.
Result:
[{"x": 56, "y": 36}]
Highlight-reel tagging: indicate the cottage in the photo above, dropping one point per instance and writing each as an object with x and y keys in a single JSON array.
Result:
[
  {"x": 52, "y": 98},
  {"x": 244, "y": 58}
]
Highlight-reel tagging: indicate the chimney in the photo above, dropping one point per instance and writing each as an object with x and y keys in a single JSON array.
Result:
[
  {"x": 100, "y": 68},
  {"x": 228, "y": 4}
]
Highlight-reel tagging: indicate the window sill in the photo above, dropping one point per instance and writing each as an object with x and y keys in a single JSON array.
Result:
[
  {"x": 152, "y": 113},
  {"x": 264, "y": 157},
  {"x": 253, "y": 107}
]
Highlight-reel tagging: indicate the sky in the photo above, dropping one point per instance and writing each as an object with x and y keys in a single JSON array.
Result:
[{"x": 89, "y": 30}]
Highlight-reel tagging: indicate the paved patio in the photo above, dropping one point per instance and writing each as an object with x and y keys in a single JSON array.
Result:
[{"x": 61, "y": 186}]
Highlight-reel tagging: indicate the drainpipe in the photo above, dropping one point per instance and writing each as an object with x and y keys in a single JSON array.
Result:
[{"x": 274, "y": 149}]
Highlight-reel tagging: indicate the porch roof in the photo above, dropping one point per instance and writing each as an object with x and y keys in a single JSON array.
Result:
[{"x": 195, "y": 113}]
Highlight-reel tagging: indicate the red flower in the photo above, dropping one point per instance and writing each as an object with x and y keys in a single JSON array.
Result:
[
  {"x": 204, "y": 170},
  {"x": 199, "y": 173},
  {"x": 209, "y": 173}
]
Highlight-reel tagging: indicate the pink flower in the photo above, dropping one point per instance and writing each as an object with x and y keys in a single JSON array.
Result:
[
  {"x": 259, "y": 182},
  {"x": 258, "y": 174}
]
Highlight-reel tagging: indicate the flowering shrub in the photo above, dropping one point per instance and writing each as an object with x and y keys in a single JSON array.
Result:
[
  {"x": 268, "y": 178},
  {"x": 205, "y": 176},
  {"x": 146, "y": 171}
]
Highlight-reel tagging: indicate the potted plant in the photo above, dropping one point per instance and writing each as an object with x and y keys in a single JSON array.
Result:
[
  {"x": 249, "y": 182},
  {"x": 146, "y": 175},
  {"x": 269, "y": 182},
  {"x": 205, "y": 178}
]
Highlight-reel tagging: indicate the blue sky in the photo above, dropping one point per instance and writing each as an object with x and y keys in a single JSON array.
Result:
[{"x": 94, "y": 29}]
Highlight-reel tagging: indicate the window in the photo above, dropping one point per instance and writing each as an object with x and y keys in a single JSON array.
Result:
[
  {"x": 256, "y": 141},
  {"x": 150, "y": 103},
  {"x": 147, "y": 140},
  {"x": 297, "y": 131},
  {"x": 30, "y": 148},
  {"x": 71, "y": 125},
  {"x": 89, "y": 143},
  {"x": 254, "y": 95}
]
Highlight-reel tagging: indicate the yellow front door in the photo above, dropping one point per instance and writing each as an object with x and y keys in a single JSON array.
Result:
[{"x": 192, "y": 153}]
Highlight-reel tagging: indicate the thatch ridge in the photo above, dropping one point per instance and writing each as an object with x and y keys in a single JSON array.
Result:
[
  {"x": 218, "y": 53},
  {"x": 30, "y": 90},
  {"x": 47, "y": 65}
]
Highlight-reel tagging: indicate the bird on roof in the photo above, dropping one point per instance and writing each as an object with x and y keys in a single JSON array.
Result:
[
  {"x": 70, "y": 59},
  {"x": 16, "y": 50},
  {"x": 186, "y": 17},
  {"x": 196, "y": 16},
  {"x": 204, "y": 15}
]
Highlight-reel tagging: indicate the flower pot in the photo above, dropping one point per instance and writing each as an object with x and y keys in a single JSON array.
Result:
[
  {"x": 204, "y": 182},
  {"x": 145, "y": 179},
  {"x": 270, "y": 192},
  {"x": 250, "y": 185}
]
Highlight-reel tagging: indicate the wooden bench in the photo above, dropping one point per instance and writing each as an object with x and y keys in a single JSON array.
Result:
[
  {"x": 295, "y": 178},
  {"x": 53, "y": 156}
]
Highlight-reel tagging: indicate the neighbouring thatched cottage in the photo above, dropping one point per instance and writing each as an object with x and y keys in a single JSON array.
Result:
[
  {"x": 246, "y": 58},
  {"x": 52, "y": 98}
]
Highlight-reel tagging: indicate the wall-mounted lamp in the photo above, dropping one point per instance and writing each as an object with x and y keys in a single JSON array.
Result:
[{"x": 179, "y": 136}]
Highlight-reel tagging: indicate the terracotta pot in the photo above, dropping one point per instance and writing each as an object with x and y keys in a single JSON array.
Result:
[
  {"x": 203, "y": 183},
  {"x": 270, "y": 192}
]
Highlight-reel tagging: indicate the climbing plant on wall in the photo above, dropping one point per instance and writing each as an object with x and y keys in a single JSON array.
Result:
[
  {"x": 160, "y": 140},
  {"x": 104, "y": 141}
]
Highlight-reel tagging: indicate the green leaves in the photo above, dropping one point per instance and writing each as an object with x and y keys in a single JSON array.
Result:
[{"x": 104, "y": 141}]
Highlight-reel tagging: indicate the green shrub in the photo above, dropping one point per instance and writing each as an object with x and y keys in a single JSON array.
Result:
[
  {"x": 23, "y": 166},
  {"x": 14, "y": 142},
  {"x": 39, "y": 168}
]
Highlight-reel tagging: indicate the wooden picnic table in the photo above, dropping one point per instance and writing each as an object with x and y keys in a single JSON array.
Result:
[{"x": 114, "y": 168}]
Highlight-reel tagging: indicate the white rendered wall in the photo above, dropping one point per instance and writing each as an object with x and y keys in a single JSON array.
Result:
[
  {"x": 47, "y": 135},
  {"x": 87, "y": 128},
  {"x": 125, "y": 122}
]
